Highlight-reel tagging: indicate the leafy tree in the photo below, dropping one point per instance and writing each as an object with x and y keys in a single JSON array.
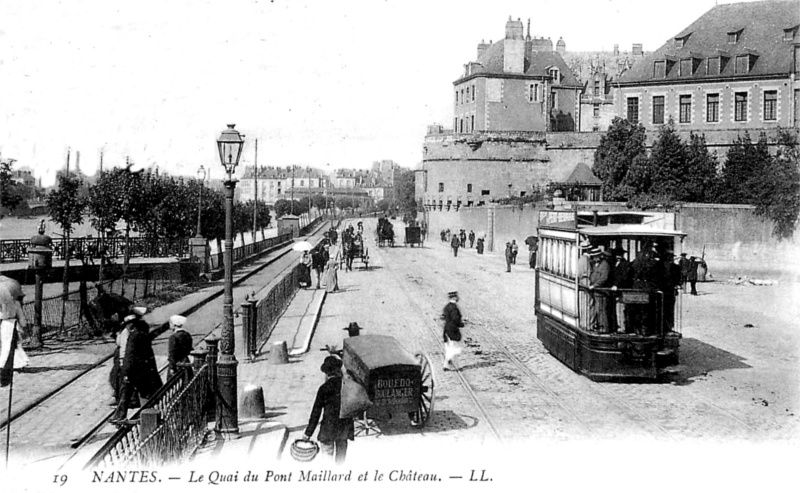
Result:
[
  {"x": 405, "y": 191},
  {"x": 778, "y": 189},
  {"x": 10, "y": 193},
  {"x": 66, "y": 209},
  {"x": 618, "y": 149},
  {"x": 744, "y": 170},
  {"x": 701, "y": 177},
  {"x": 384, "y": 205},
  {"x": 668, "y": 165}
]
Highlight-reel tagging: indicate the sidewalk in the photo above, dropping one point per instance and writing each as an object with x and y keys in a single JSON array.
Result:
[{"x": 71, "y": 380}]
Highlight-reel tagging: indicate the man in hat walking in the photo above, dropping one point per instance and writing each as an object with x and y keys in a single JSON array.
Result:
[
  {"x": 455, "y": 243},
  {"x": 180, "y": 345},
  {"x": 334, "y": 432},
  {"x": 452, "y": 332},
  {"x": 509, "y": 254}
]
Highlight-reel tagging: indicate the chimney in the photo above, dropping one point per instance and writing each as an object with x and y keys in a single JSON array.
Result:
[
  {"x": 514, "y": 48},
  {"x": 482, "y": 47},
  {"x": 637, "y": 49},
  {"x": 616, "y": 50},
  {"x": 561, "y": 46}
]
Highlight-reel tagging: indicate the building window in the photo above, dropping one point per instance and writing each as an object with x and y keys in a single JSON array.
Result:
[
  {"x": 473, "y": 122},
  {"x": 633, "y": 110},
  {"x": 658, "y": 110},
  {"x": 733, "y": 37},
  {"x": 531, "y": 93},
  {"x": 788, "y": 34},
  {"x": 469, "y": 187},
  {"x": 686, "y": 67},
  {"x": 713, "y": 66},
  {"x": 462, "y": 96},
  {"x": 596, "y": 110},
  {"x": 473, "y": 92},
  {"x": 712, "y": 108},
  {"x": 553, "y": 100},
  {"x": 554, "y": 73},
  {"x": 485, "y": 192},
  {"x": 461, "y": 126},
  {"x": 660, "y": 68},
  {"x": 685, "y": 108},
  {"x": 597, "y": 87},
  {"x": 441, "y": 187},
  {"x": 770, "y": 105},
  {"x": 455, "y": 124},
  {"x": 742, "y": 64},
  {"x": 740, "y": 107},
  {"x": 456, "y": 96}
]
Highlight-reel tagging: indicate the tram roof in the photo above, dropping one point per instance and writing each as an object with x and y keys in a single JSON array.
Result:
[{"x": 628, "y": 230}]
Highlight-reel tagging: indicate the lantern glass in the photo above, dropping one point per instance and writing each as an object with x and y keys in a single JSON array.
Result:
[
  {"x": 201, "y": 173},
  {"x": 230, "y": 145}
]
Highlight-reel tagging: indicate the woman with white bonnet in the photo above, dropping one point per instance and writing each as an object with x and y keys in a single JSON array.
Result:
[{"x": 180, "y": 345}]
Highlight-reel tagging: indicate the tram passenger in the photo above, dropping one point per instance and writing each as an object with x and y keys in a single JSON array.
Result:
[
  {"x": 600, "y": 278},
  {"x": 671, "y": 279},
  {"x": 646, "y": 278},
  {"x": 621, "y": 278},
  {"x": 582, "y": 272}
]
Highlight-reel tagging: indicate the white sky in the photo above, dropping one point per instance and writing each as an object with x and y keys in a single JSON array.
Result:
[{"x": 317, "y": 82}]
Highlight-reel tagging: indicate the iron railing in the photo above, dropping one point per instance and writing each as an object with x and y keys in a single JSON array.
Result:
[
  {"x": 181, "y": 429},
  {"x": 245, "y": 251},
  {"x": 148, "y": 282},
  {"x": 91, "y": 247},
  {"x": 266, "y": 311}
]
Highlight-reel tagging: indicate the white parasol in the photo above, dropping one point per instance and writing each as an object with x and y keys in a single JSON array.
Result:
[{"x": 302, "y": 246}]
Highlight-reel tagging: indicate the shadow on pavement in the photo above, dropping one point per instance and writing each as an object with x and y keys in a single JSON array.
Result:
[
  {"x": 40, "y": 369},
  {"x": 699, "y": 358}
]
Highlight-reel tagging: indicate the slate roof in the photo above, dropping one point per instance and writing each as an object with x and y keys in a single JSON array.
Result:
[
  {"x": 536, "y": 64},
  {"x": 762, "y": 26},
  {"x": 582, "y": 175}
]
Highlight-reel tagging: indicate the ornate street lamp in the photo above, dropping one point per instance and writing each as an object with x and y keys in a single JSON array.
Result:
[
  {"x": 230, "y": 145},
  {"x": 201, "y": 177}
]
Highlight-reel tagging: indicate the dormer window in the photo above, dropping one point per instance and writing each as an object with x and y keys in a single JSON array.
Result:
[
  {"x": 733, "y": 36},
  {"x": 659, "y": 68},
  {"x": 554, "y": 73},
  {"x": 744, "y": 63},
  {"x": 789, "y": 34},
  {"x": 680, "y": 41}
]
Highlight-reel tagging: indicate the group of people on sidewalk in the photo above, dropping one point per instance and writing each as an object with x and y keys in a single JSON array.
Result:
[
  {"x": 460, "y": 239},
  {"x": 325, "y": 268},
  {"x": 134, "y": 374}
]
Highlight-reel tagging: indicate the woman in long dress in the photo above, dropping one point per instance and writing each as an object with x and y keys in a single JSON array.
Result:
[
  {"x": 331, "y": 276},
  {"x": 304, "y": 277}
]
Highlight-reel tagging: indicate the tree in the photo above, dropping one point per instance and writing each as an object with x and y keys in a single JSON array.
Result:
[
  {"x": 745, "y": 166},
  {"x": 702, "y": 178},
  {"x": 405, "y": 191},
  {"x": 618, "y": 149},
  {"x": 668, "y": 165},
  {"x": 66, "y": 209},
  {"x": 778, "y": 189},
  {"x": 10, "y": 194}
]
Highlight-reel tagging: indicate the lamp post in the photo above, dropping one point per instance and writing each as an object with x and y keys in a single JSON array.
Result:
[
  {"x": 230, "y": 145},
  {"x": 198, "y": 245},
  {"x": 201, "y": 176}
]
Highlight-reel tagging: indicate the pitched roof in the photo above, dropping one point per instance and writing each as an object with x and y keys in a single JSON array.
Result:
[
  {"x": 762, "y": 25},
  {"x": 582, "y": 175},
  {"x": 537, "y": 64}
]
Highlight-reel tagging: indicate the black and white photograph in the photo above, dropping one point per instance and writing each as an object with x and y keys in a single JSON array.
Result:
[{"x": 384, "y": 245}]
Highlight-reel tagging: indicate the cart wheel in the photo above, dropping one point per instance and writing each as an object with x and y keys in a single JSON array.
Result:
[{"x": 426, "y": 393}]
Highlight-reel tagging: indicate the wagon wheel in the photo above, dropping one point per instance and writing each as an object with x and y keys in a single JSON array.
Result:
[{"x": 426, "y": 392}]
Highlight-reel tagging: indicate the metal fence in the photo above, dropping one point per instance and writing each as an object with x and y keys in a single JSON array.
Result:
[
  {"x": 260, "y": 316},
  {"x": 147, "y": 282},
  {"x": 179, "y": 431},
  {"x": 91, "y": 247},
  {"x": 245, "y": 251}
]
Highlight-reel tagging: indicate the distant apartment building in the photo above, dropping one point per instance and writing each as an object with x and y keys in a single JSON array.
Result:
[
  {"x": 276, "y": 183},
  {"x": 735, "y": 68}
]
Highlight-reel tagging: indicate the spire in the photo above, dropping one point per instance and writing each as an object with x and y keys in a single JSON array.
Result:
[{"x": 528, "y": 37}]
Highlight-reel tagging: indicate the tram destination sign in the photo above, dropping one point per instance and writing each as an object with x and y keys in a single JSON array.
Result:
[{"x": 561, "y": 218}]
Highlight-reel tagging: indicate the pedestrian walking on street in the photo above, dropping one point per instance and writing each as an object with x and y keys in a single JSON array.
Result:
[
  {"x": 685, "y": 265},
  {"x": 479, "y": 246},
  {"x": 179, "y": 347},
  {"x": 514, "y": 251},
  {"x": 509, "y": 256},
  {"x": 304, "y": 272},
  {"x": 452, "y": 332},
  {"x": 463, "y": 238},
  {"x": 471, "y": 238},
  {"x": 139, "y": 372},
  {"x": 319, "y": 259},
  {"x": 694, "y": 263},
  {"x": 334, "y": 432},
  {"x": 533, "y": 248},
  {"x": 12, "y": 325},
  {"x": 331, "y": 276},
  {"x": 455, "y": 243}
]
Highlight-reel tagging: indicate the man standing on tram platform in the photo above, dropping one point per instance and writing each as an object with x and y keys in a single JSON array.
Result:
[
  {"x": 600, "y": 278},
  {"x": 621, "y": 278}
]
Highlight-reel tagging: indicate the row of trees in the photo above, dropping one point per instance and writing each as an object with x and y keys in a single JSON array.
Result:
[
  {"x": 156, "y": 206},
  {"x": 677, "y": 171}
]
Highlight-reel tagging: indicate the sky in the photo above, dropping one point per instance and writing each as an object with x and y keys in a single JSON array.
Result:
[{"x": 318, "y": 83}]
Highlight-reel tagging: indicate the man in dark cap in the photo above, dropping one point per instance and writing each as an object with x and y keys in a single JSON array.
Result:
[
  {"x": 334, "y": 432},
  {"x": 353, "y": 330},
  {"x": 452, "y": 331},
  {"x": 599, "y": 280}
]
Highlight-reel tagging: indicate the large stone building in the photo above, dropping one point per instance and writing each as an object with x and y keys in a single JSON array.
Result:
[
  {"x": 735, "y": 68},
  {"x": 506, "y": 103},
  {"x": 276, "y": 183}
]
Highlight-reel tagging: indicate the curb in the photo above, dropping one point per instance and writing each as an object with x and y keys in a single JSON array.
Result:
[{"x": 310, "y": 335}]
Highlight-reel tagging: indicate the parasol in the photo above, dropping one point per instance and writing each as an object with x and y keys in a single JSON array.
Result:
[{"x": 302, "y": 246}]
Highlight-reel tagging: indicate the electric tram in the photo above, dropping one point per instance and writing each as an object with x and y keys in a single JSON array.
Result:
[{"x": 638, "y": 334}]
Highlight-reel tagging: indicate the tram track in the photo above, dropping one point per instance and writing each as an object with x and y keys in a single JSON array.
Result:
[{"x": 641, "y": 410}]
